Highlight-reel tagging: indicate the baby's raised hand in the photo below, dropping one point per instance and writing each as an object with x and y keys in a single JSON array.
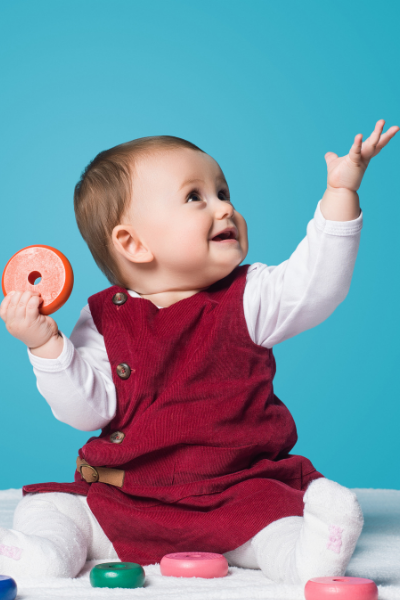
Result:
[
  {"x": 20, "y": 312},
  {"x": 347, "y": 171}
]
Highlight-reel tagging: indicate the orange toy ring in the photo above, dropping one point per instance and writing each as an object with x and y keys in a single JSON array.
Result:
[{"x": 34, "y": 262}]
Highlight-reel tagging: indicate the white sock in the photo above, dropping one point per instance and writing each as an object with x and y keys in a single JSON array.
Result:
[
  {"x": 44, "y": 542},
  {"x": 23, "y": 555},
  {"x": 333, "y": 522},
  {"x": 319, "y": 544}
]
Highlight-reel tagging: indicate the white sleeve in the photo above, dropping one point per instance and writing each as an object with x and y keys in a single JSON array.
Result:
[
  {"x": 284, "y": 300},
  {"x": 78, "y": 384}
]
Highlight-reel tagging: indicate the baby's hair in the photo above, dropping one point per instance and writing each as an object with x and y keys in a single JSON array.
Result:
[{"x": 103, "y": 193}]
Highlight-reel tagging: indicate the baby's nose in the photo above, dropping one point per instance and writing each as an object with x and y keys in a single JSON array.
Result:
[{"x": 224, "y": 209}]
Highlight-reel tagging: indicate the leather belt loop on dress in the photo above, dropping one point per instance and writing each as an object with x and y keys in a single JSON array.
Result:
[
  {"x": 95, "y": 473},
  {"x": 100, "y": 474}
]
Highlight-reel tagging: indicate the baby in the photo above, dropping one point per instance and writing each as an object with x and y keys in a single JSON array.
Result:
[{"x": 174, "y": 364}]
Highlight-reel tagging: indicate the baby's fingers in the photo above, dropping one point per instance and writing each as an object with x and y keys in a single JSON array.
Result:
[
  {"x": 20, "y": 309},
  {"x": 376, "y": 141},
  {"x": 12, "y": 306},
  {"x": 369, "y": 146},
  {"x": 386, "y": 137},
  {"x": 355, "y": 150},
  {"x": 5, "y": 304},
  {"x": 32, "y": 307}
]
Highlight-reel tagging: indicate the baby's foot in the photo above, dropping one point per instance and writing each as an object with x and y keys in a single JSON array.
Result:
[
  {"x": 320, "y": 544},
  {"x": 23, "y": 555},
  {"x": 274, "y": 548},
  {"x": 11, "y": 553},
  {"x": 332, "y": 524}
]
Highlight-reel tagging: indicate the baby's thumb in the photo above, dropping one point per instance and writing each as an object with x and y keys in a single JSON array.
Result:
[{"x": 329, "y": 157}]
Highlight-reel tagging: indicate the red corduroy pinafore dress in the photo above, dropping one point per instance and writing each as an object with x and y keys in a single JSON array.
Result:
[{"x": 206, "y": 446}]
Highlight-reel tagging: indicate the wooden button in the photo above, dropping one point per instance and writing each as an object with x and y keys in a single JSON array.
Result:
[
  {"x": 123, "y": 371},
  {"x": 119, "y": 298},
  {"x": 117, "y": 437}
]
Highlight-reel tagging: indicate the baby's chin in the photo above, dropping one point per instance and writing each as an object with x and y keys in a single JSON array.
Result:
[{"x": 217, "y": 272}]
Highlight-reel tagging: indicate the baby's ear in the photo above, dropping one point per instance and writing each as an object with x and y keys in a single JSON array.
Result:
[{"x": 128, "y": 244}]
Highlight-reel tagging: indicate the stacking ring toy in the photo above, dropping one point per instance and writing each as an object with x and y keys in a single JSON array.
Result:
[
  {"x": 8, "y": 588},
  {"x": 117, "y": 575},
  {"x": 194, "y": 564},
  {"x": 34, "y": 262},
  {"x": 341, "y": 588}
]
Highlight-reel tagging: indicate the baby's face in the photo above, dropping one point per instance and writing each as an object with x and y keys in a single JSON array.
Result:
[{"x": 180, "y": 204}]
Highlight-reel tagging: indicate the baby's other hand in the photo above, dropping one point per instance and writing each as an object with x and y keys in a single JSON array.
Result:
[
  {"x": 20, "y": 312},
  {"x": 347, "y": 171}
]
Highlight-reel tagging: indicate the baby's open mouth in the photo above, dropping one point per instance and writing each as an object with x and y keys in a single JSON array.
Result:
[{"x": 228, "y": 234}]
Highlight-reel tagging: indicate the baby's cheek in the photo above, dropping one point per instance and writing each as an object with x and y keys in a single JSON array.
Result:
[
  {"x": 187, "y": 251},
  {"x": 194, "y": 249},
  {"x": 242, "y": 227}
]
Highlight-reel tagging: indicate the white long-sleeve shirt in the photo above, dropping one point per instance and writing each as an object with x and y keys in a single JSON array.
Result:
[{"x": 279, "y": 302}]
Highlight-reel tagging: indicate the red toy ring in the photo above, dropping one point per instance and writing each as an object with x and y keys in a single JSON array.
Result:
[
  {"x": 33, "y": 262},
  {"x": 340, "y": 588}
]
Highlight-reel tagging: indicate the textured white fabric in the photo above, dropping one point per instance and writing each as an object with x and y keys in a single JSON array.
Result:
[
  {"x": 376, "y": 557},
  {"x": 274, "y": 548},
  {"x": 53, "y": 535},
  {"x": 43, "y": 542},
  {"x": 244, "y": 556},
  {"x": 279, "y": 302},
  {"x": 319, "y": 544},
  {"x": 332, "y": 524}
]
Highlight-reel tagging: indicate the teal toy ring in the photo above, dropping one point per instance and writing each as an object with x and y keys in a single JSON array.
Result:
[{"x": 117, "y": 575}]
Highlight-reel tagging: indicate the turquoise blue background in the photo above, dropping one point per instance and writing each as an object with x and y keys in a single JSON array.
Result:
[{"x": 267, "y": 88}]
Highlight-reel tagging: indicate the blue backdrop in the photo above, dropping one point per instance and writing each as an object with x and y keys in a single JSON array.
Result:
[{"x": 267, "y": 88}]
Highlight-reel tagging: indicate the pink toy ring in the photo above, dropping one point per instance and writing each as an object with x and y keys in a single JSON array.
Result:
[
  {"x": 194, "y": 564},
  {"x": 340, "y": 588}
]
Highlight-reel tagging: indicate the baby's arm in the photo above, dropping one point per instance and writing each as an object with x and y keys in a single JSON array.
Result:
[
  {"x": 74, "y": 376},
  {"x": 282, "y": 301},
  {"x": 83, "y": 372}
]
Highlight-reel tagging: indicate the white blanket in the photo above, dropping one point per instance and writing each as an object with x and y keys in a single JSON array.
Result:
[{"x": 377, "y": 557}]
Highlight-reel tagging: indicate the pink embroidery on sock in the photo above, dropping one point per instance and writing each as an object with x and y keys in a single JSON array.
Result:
[
  {"x": 11, "y": 551},
  {"x": 335, "y": 538}
]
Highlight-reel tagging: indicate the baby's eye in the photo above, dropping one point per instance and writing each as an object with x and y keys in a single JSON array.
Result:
[
  {"x": 193, "y": 196},
  {"x": 224, "y": 195}
]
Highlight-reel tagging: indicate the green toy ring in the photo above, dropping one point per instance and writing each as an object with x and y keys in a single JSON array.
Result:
[{"x": 117, "y": 575}]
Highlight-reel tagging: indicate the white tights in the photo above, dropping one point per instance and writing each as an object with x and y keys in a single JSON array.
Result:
[{"x": 55, "y": 533}]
